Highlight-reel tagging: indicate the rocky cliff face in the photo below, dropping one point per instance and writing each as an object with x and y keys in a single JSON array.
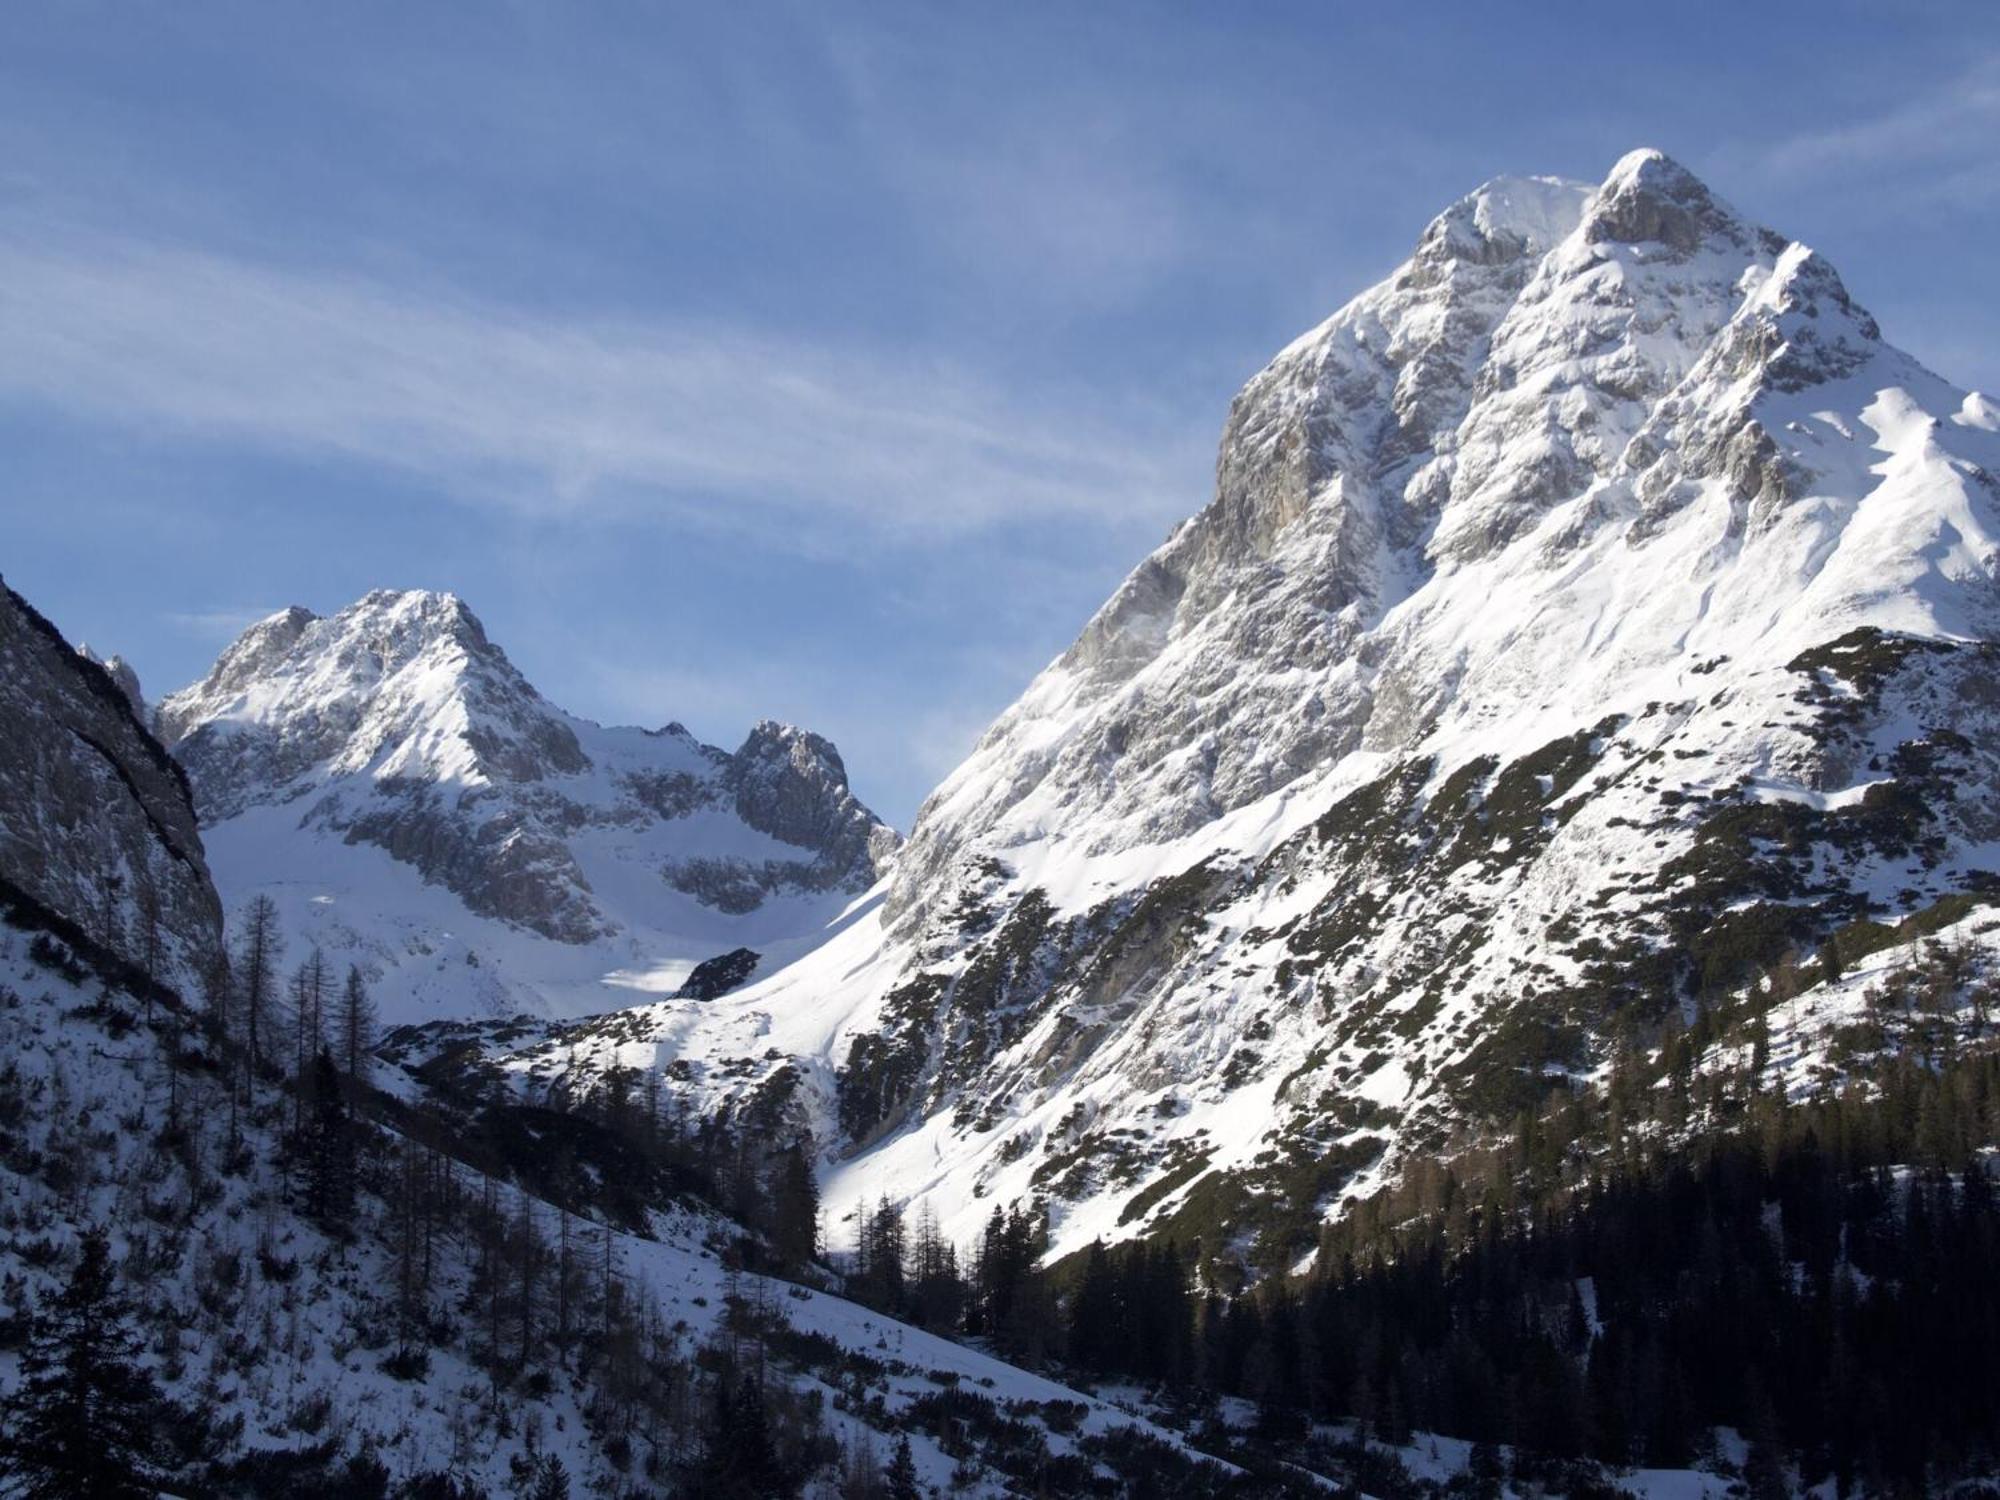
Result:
[
  {"x": 789, "y": 784},
  {"x": 1586, "y": 617},
  {"x": 1503, "y": 371},
  {"x": 96, "y": 825},
  {"x": 397, "y": 725}
]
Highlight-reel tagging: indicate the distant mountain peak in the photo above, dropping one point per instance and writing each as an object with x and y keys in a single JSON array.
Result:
[
  {"x": 400, "y": 685},
  {"x": 422, "y": 614},
  {"x": 246, "y": 658},
  {"x": 397, "y": 723}
]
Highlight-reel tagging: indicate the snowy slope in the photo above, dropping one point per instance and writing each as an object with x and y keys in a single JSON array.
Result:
[
  {"x": 418, "y": 808},
  {"x": 122, "y": 1110},
  {"x": 1585, "y": 616},
  {"x": 256, "y": 1317}
]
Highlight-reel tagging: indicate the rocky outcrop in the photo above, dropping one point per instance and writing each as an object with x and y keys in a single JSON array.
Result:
[
  {"x": 719, "y": 975},
  {"x": 97, "y": 828},
  {"x": 790, "y": 784},
  {"x": 121, "y": 673}
]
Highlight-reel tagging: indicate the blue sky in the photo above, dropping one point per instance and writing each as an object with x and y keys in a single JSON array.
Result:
[{"x": 822, "y": 362}]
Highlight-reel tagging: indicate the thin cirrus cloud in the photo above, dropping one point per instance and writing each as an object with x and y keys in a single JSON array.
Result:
[
  {"x": 223, "y": 623},
  {"x": 1952, "y": 124},
  {"x": 546, "y": 414}
]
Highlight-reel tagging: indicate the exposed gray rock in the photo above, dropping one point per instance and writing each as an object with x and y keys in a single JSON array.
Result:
[
  {"x": 96, "y": 822},
  {"x": 791, "y": 784},
  {"x": 719, "y": 975},
  {"x": 120, "y": 672}
]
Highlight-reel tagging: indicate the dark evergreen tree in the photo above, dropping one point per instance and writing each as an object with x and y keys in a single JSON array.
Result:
[
  {"x": 329, "y": 1149},
  {"x": 309, "y": 987},
  {"x": 1096, "y": 1341},
  {"x": 354, "y": 1027},
  {"x": 738, "y": 1459},
  {"x": 795, "y": 1208},
  {"x": 880, "y": 1244},
  {"x": 937, "y": 1293},
  {"x": 88, "y": 1418},
  {"x": 256, "y": 972},
  {"x": 551, "y": 1480},
  {"x": 899, "y": 1479}
]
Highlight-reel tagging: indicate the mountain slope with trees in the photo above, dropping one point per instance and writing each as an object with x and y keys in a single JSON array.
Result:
[
  {"x": 230, "y": 1265},
  {"x": 1591, "y": 619}
]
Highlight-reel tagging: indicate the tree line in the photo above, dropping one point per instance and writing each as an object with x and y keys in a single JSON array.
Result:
[
  {"x": 268, "y": 1080},
  {"x": 1628, "y": 1270}
]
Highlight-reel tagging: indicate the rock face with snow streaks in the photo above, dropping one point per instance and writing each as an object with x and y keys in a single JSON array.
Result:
[{"x": 96, "y": 825}]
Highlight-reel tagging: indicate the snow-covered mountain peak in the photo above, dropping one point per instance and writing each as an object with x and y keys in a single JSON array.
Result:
[
  {"x": 1821, "y": 333},
  {"x": 1532, "y": 581},
  {"x": 1503, "y": 219},
  {"x": 247, "y": 658},
  {"x": 789, "y": 778},
  {"x": 1648, "y": 198},
  {"x": 398, "y": 725},
  {"x": 403, "y": 622},
  {"x": 772, "y": 738},
  {"x": 400, "y": 685},
  {"x": 1555, "y": 366},
  {"x": 1431, "y": 423},
  {"x": 1614, "y": 317}
]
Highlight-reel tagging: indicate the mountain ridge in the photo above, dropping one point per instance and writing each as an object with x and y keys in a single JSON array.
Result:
[
  {"x": 398, "y": 725},
  {"x": 1521, "y": 682}
]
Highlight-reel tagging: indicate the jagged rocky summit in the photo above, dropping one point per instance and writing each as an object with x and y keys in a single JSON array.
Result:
[
  {"x": 426, "y": 812},
  {"x": 1588, "y": 615}
]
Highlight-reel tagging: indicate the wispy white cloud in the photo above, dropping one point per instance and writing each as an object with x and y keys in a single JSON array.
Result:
[
  {"x": 219, "y": 624},
  {"x": 552, "y": 415},
  {"x": 1945, "y": 129}
]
